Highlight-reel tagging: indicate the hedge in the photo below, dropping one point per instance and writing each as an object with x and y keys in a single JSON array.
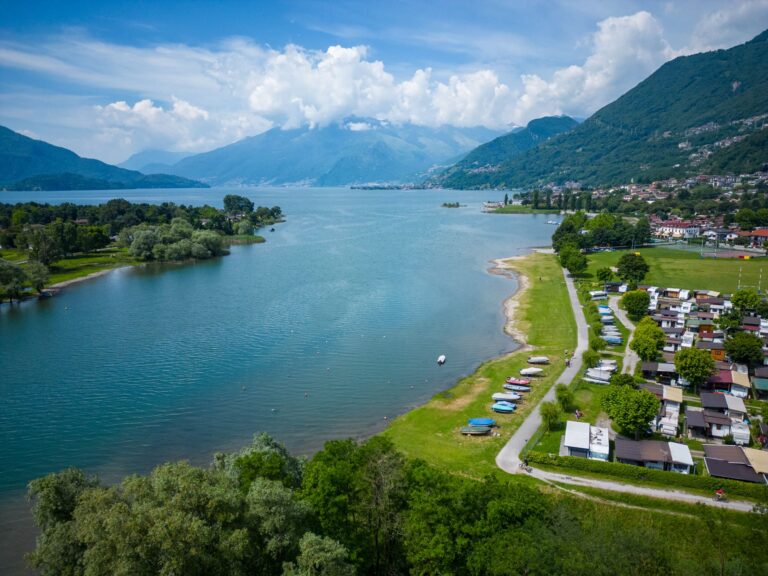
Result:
[{"x": 668, "y": 479}]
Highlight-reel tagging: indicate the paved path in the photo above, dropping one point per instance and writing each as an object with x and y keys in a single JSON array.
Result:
[
  {"x": 630, "y": 357},
  {"x": 509, "y": 457}
]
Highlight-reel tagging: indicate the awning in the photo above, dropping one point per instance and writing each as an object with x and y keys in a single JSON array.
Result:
[{"x": 760, "y": 384}]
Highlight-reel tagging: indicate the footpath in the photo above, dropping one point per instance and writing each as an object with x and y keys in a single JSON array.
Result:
[{"x": 508, "y": 459}]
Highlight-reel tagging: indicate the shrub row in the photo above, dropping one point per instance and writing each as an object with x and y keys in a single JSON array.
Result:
[{"x": 669, "y": 479}]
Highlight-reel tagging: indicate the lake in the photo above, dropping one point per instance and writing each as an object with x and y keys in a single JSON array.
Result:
[{"x": 326, "y": 331}]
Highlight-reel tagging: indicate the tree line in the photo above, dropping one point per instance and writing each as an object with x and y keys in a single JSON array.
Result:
[{"x": 358, "y": 508}]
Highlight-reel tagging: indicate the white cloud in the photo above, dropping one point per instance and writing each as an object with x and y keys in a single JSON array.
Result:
[
  {"x": 728, "y": 26},
  {"x": 625, "y": 50},
  {"x": 188, "y": 98}
]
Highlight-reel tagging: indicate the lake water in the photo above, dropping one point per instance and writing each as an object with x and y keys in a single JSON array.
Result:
[{"x": 327, "y": 330}]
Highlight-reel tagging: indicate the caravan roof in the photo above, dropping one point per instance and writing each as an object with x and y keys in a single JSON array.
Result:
[{"x": 577, "y": 435}]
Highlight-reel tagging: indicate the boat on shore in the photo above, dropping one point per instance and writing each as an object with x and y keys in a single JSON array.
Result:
[
  {"x": 517, "y": 388},
  {"x": 518, "y": 381},
  {"x": 538, "y": 360},
  {"x": 504, "y": 407},
  {"x": 531, "y": 371},
  {"x": 481, "y": 422},
  {"x": 475, "y": 430},
  {"x": 505, "y": 397}
]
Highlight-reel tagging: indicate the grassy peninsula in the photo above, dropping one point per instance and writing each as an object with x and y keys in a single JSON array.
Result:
[{"x": 44, "y": 245}]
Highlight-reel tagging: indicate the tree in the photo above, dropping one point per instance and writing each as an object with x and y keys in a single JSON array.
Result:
[
  {"x": 642, "y": 232},
  {"x": 695, "y": 365},
  {"x": 43, "y": 247},
  {"x": 648, "y": 340},
  {"x": 745, "y": 299},
  {"x": 630, "y": 409},
  {"x": 319, "y": 556},
  {"x": 590, "y": 358},
  {"x": 745, "y": 348},
  {"x": 636, "y": 304},
  {"x": 564, "y": 397},
  {"x": 506, "y": 199},
  {"x": 728, "y": 320},
  {"x": 605, "y": 274},
  {"x": 550, "y": 414},
  {"x": 632, "y": 268},
  {"x": 572, "y": 259},
  {"x": 38, "y": 275},
  {"x": 535, "y": 200},
  {"x": 237, "y": 204},
  {"x": 12, "y": 278},
  {"x": 144, "y": 241},
  {"x": 623, "y": 380}
]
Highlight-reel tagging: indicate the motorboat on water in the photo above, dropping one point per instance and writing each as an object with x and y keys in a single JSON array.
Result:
[{"x": 441, "y": 360}]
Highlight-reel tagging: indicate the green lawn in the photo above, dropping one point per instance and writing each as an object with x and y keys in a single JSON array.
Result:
[
  {"x": 13, "y": 255},
  {"x": 431, "y": 432},
  {"x": 85, "y": 264},
  {"x": 685, "y": 269},
  {"x": 587, "y": 399}
]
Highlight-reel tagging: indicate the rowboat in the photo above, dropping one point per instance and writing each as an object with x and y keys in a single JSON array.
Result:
[
  {"x": 531, "y": 371},
  {"x": 504, "y": 407},
  {"x": 475, "y": 430},
  {"x": 538, "y": 360},
  {"x": 517, "y": 388},
  {"x": 505, "y": 396},
  {"x": 482, "y": 422},
  {"x": 518, "y": 381}
]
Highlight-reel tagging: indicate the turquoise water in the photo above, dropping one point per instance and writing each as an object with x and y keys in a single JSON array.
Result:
[{"x": 326, "y": 331}]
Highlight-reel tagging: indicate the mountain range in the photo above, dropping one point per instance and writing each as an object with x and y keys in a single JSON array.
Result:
[
  {"x": 699, "y": 113},
  {"x": 354, "y": 151},
  {"x": 28, "y": 164}
]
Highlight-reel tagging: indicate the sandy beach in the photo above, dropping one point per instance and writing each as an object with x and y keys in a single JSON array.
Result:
[
  {"x": 501, "y": 267},
  {"x": 66, "y": 283}
]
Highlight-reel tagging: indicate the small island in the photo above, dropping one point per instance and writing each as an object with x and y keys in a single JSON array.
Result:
[{"x": 47, "y": 246}]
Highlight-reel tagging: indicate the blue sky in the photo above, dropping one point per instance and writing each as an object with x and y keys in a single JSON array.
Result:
[{"x": 108, "y": 79}]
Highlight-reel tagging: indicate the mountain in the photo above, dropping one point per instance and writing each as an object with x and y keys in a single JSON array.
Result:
[
  {"x": 504, "y": 147},
  {"x": 355, "y": 151},
  {"x": 28, "y": 164},
  {"x": 152, "y": 161},
  {"x": 674, "y": 123}
]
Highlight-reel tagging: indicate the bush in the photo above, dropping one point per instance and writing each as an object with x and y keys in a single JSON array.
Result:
[
  {"x": 667, "y": 479},
  {"x": 590, "y": 358}
]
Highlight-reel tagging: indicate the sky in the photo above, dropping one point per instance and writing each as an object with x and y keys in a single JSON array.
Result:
[{"x": 111, "y": 78}]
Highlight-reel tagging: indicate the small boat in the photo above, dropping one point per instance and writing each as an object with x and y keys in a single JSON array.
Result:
[
  {"x": 475, "y": 430},
  {"x": 531, "y": 371},
  {"x": 504, "y": 407},
  {"x": 271, "y": 229},
  {"x": 441, "y": 360},
  {"x": 597, "y": 374},
  {"x": 554, "y": 222},
  {"x": 517, "y": 388},
  {"x": 518, "y": 381},
  {"x": 613, "y": 340},
  {"x": 505, "y": 397},
  {"x": 482, "y": 422},
  {"x": 538, "y": 360}
]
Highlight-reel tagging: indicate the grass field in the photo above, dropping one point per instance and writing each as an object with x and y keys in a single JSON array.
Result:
[
  {"x": 431, "y": 432},
  {"x": 85, "y": 264},
  {"x": 684, "y": 269}
]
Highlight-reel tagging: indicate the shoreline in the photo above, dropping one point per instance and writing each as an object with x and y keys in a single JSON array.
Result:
[
  {"x": 65, "y": 283},
  {"x": 501, "y": 267}
]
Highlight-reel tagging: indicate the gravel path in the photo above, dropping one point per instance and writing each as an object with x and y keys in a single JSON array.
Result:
[
  {"x": 630, "y": 357},
  {"x": 509, "y": 457}
]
